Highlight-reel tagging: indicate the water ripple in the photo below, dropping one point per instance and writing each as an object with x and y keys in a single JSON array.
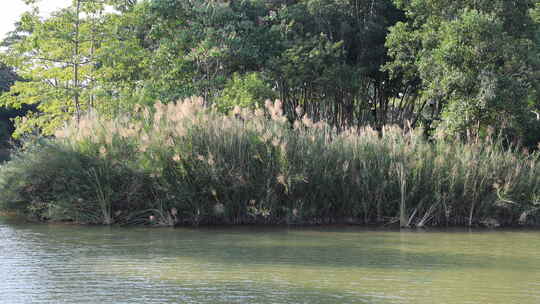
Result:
[{"x": 71, "y": 264}]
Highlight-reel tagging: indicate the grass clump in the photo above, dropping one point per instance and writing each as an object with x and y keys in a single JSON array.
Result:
[{"x": 184, "y": 163}]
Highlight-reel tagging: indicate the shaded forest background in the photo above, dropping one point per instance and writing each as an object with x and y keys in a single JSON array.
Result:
[{"x": 465, "y": 69}]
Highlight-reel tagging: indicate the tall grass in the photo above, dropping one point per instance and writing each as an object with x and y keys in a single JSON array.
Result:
[{"x": 184, "y": 163}]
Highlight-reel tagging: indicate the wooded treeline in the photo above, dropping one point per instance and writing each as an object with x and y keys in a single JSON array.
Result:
[{"x": 460, "y": 68}]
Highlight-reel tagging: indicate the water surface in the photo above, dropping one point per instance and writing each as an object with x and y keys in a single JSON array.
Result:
[{"x": 74, "y": 264}]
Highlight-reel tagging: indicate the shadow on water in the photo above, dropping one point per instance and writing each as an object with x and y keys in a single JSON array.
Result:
[{"x": 333, "y": 247}]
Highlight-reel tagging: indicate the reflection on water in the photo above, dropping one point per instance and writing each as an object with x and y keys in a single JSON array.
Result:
[{"x": 72, "y": 264}]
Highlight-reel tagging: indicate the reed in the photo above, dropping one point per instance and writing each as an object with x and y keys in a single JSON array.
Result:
[{"x": 185, "y": 163}]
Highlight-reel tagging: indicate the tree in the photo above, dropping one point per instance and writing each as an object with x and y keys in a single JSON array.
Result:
[
  {"x": 247, "y": 91},
  {"x": 472, "y": 60},
  {"x": 58, "y": 59},
  {"x": 7, "y": 78},
  {"x": 322, "y": 55},
  {"x": 197, "y": 45},
  {"x": 332, "y": 57}
]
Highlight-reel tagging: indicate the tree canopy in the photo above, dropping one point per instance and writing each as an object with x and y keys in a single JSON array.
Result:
[
  {"x": 461, "y": 68},
  {"x": 473, "y": 59}
]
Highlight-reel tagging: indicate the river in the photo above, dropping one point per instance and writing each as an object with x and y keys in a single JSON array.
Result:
[{"x": 42, "y": 263}]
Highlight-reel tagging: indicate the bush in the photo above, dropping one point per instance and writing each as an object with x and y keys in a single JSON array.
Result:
[
  {"x": 48, "y": 180},
  {"x": 244, "y": 91},
  {"x": 182, "y": 163}
]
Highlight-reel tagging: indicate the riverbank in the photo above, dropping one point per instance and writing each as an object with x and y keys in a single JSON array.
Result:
[{"x": 184, "y": 164}]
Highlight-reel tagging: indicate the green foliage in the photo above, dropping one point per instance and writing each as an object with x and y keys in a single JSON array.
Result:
[
  {"x": 324, "y": 55},
  {"x": 46, "y": 180},
  {"x": 473, "y": 61},
  {"x": 59, "y": 59},
  {"x": 534, "y": 96},
  {"x": 196, "y": 46},
  {"x": 7, "y": 77},
  {"x": 184, "y": 163},
  {"x": 462, "y": 67},
  {"x": 244, "y": 91}
]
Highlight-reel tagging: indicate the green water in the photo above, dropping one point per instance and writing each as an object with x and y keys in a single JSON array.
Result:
[{"x": 72, "y": 264}]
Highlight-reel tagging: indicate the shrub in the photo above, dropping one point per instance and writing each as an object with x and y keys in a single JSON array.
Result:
[{"x": 244, "y": 91}]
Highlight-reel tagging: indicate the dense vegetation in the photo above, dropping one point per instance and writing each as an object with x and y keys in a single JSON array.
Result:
[
  {"x": 7, "y": 78},
  {"x": 189, "y": 164},
  {"x": 410, "y": 109}
]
